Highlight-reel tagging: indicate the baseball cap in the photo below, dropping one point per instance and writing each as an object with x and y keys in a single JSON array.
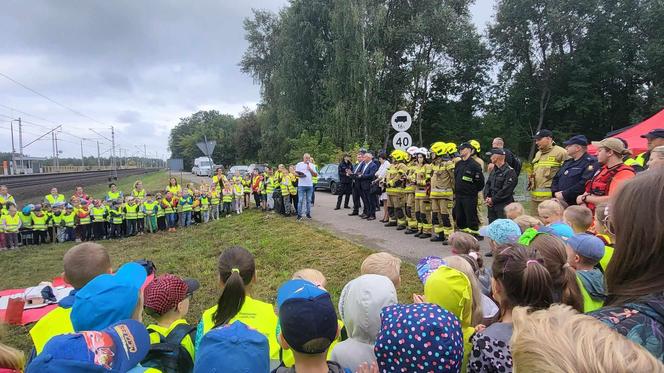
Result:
[
  {"x": 306, "y": 313},
  {"x": 166, "y": 291},
  {"x": 656, "y": 133},
  {"x": 587, "y": 245},
  {"x": 118, "y": 348},
  {"x": 577, "y": 140},
  {"x": 502, "y": 231},
  {"x": 108, "y": 298},
  {"x": 465, "y": 145},
  {"x": 428, "y": 265},
  {"x": 561, "y": 230},
  {"x": 542, "y": 133},
  {"x": 497, "y": 151},
  {"x": 243, "y": 350},
  {"x": 437, "y": 344},
  {"x": 613, "y": 144}
]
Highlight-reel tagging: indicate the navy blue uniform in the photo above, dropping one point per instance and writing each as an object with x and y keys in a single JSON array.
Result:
[{"x": 572, "y": 177}]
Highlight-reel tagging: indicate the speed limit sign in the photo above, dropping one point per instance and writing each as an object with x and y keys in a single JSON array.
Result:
[{"x": 402, "y": 140}]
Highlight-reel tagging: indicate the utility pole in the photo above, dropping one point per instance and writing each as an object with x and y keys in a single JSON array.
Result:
[
  {"x": 57, "y": 151},
  {"x": 98, "y": 156},
  {"x": 20, "y": 141},
  {"x": 145, "y": 155},
  {"x": 53, "y": 147},
  {"x": 113, "y": 166},
  {"x": 82, "y": 158},
  {"x": 13, "y": 168}
]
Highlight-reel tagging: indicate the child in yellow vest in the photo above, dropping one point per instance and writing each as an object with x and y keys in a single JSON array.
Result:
[
  {"x": 584, "y": 251},
  {"x": 227, "y": 193},
  {"x": 238, "y": 195},
  {"x": 215, "y": 200},
  {"x": 11, "y": 223}
]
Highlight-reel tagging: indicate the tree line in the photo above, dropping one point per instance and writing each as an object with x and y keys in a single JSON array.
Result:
[{"x": 332, "y": 73}]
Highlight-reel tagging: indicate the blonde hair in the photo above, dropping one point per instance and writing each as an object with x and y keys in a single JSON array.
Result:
[
  {"x": 551, "y": 206},
  {"x": 562, "y": 340},
  {"x": 314, "y": 276},
  {"x": 579, "y": 217},
  {"x": 464, "y": 243},
  {"x": 10, "y": 358},
  {"x": 526, "y": 221},
  {"x": 515, "y": 207},
  {"x": 384, "y": 264},
  {"x": 462, "y": 265}
]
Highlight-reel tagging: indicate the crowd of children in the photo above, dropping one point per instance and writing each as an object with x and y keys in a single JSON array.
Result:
[{"x": 554, "y": 288}]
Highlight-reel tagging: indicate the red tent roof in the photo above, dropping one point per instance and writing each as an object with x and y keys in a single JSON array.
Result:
[{"x": 633, "y": 133}]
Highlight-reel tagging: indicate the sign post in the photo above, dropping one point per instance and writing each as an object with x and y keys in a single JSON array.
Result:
[{"x": 401, "y": 122}]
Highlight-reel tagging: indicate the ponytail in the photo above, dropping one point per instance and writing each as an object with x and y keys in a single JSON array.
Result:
[
  {"x": 524, "y": 279},
  {"x": 236, "y": 271},
  {"x": 565, "y": 288}
]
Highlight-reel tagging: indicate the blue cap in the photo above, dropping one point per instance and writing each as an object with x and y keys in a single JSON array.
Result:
[
  {"x": 542, "y": 133},
  {"x": 502, "y": 231},
  {"x": 587, "y": 245},
  {"x": 428, "y": 265},
  {"x": 577, "y": 140},
  {"x": 561, "y": 230},
  {"x": 656, "y": 133},
  {"x": 118, "y": 348},
  {"x": 306, "y": 313},
  {"x": 108, "y": 298},
  {"x": 243, "y": 350}
]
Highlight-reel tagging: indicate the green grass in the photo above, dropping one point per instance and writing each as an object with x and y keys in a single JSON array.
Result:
[{"x": 281, "y": 246}]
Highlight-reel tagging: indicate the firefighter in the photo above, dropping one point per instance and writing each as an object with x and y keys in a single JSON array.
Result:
[
  {"x": 409, "y": 193},
  {"x": 468, "y": 181},
  {"x": 442, "y": 189},
  {"x": 422, "y": 206},
  {"x": 395, "y": 188},
  {"x": 548, "y": 160}
]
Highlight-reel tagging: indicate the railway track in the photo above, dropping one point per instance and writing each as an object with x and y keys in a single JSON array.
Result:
[{"x": 23, "y": 187}]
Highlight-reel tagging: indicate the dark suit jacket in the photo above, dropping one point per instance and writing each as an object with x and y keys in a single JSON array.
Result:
[{"x": 368, "y": 175}]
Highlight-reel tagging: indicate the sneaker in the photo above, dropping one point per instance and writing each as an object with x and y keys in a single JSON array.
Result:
[
  {"x": 308, "y": 216},
  {"x": 299, "y": 218}
]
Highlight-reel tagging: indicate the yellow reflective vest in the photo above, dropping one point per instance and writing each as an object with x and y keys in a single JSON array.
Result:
[
  {"x": 54, "y": 323},
  {"x": 52, "y": 200}
]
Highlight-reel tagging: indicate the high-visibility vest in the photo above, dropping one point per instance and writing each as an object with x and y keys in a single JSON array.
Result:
[
  {"x": 174, "y": 189},
  {"x": 255, "y": 314},
  {"x": 314, "y": 179},
  {"x": 168, "y": 206},
  {"x": 149, "y": 207},
  {"x": 11, "y": 223},
  {"x": 590, "y": 304},
  {"x": 205, "y": 203},
  {"x": 228, "y": 196},
  {"x": 238, "y": 189},
  {"x": 160, "y": 211},
  {"x": 56, "y": 322},
  {"x": 26, "y": 220},
  {"x": 98, "y": 214},
  {"x": 84, "y": 220},
  {"x": 113, "y": 195},
  {"x": 214, "y": 198},
  {"x": 269, "y": 185},
  {"x": 185, "y": 204},
  {"x": 39, "y": 222},
  {"x": 131, "y": 212},
  {"x": 56, "y": 220},
  {"x": 138, "y": 193},
  {"x": 196, "y": 206},
  {"x": 52, "y": 200},
  {"x": 69, "y": 219},
  {"x": 116, "y": 216},
  {"x": 7, "y": 198}
]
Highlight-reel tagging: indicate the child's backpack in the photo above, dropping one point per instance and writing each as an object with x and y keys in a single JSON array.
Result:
[{"x": 169, "y": 355}]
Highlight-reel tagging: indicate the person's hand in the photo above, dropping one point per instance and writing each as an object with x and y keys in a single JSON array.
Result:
[
  {"x": 488, "y": 201},
  {"x": 366, "y": 368},
  {"x": 480, "y": 328},
  {"x": 418, "y": 299},
  {"x": 559, "y": 195},
  {"x": 579, "y": 200}
]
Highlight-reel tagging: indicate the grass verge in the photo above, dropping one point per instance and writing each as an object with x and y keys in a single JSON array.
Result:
[{"x": 281, "y": 246}]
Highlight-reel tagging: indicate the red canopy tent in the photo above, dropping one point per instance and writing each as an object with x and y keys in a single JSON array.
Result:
[{"x": 632, "y": 134}]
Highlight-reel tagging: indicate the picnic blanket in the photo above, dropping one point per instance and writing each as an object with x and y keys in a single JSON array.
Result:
[{"x": 34, "y": 313}]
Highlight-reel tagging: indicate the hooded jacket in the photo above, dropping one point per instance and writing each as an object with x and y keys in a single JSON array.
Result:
[
  {"x": 641, "y": 321},
  {"x": 360, "y": 304},
  {"x": 593, "y": 282},
  {"x": 451, "y": 290}
]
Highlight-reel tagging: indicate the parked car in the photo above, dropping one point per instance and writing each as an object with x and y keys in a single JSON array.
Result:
[
  {"x": 328, "y": 178},
  {"x": 202, "y": 166},
  {"x": 243, "y": 171},
  {"x": 257, "y": 166}
]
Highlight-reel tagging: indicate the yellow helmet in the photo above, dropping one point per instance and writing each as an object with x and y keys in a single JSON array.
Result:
[
  {"x": 475, "y": 144},
  {"x": 438, "y": 148},
  {"x": 450, "y": 148},
  {"x": 400, "y": 155}
]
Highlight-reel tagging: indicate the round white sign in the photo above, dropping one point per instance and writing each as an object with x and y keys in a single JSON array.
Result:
[
  {"x": 401, "y": 121},
  {"x": 402, "y": 140}
]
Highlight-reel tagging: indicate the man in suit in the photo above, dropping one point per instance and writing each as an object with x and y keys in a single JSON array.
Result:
[
  {"x": 355, "y": 186},
  {"x": 367, "y": 173}
]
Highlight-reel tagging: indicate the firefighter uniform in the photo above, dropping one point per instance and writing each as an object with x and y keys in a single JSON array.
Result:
[
  {"x": 546, "y": 164},
  {"x": 480, "y": 196},
  {"x": 409, "y": 199},
  {"x": 468, "y": 181},
  {"x": 395, "y": 188},
  {"x": 442, "y": 189},
  {"x": 422, "y": 208}
]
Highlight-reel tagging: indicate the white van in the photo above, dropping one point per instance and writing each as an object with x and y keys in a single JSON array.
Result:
[{"x": 202, "y": 167}]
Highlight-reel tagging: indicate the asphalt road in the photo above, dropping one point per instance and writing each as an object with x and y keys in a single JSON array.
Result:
[{"x": 372, "y": 234}]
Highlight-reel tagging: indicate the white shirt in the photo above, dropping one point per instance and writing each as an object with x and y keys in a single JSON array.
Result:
[
  {"x": 306, "y": 180},
  {"x": 382, "y": 170}
]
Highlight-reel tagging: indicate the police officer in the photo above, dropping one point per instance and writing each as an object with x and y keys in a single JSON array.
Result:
[
  {"x": 547, "y": 162},
  {"x": 499, "y": 188},
  {"x": 570, "y": 181},
  {"x": 640, "y": 162},
  {"x": 468, "y": 182},
  {"x": 345, "y": 169}
]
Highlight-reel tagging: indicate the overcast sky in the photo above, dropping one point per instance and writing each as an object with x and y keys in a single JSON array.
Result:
[{"x": 136, "y": 65}]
